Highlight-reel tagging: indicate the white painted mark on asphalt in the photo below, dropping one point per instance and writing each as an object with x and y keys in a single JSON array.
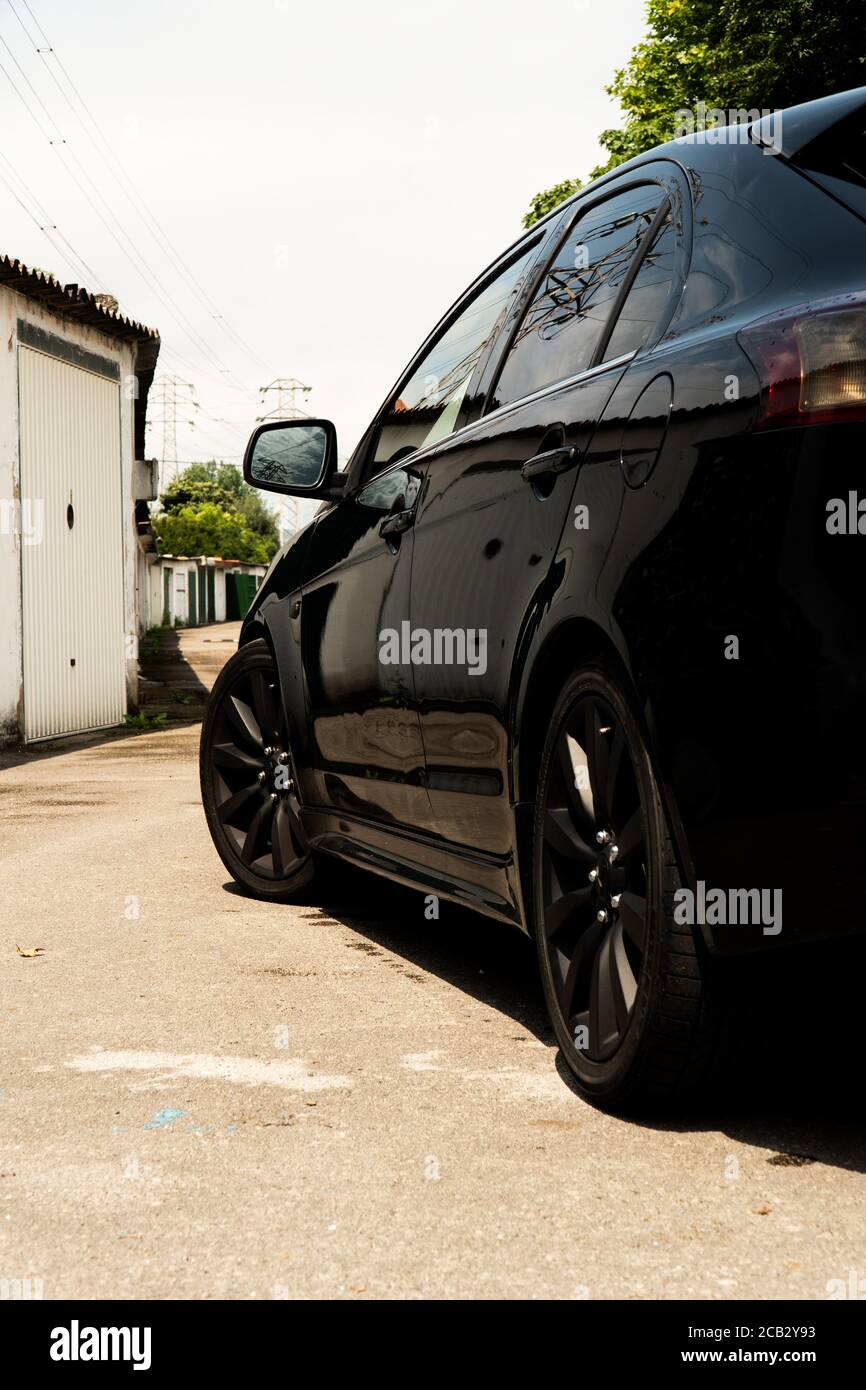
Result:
[
  {"x": 292, "y": 1074},
  {"x": 524, "y": 1085},
  {"x": 422, "y": 1061},
  {"x": 515, "y": 1083}
]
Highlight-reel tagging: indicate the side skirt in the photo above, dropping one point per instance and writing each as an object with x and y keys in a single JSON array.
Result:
[{"x": 485, "y": 883}]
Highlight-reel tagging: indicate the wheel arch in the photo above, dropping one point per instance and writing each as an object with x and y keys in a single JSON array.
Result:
[
  {"x": 272, "y": 622},
  {"x": 256, "y": 629},
  {"x": 575, "y": 641}
]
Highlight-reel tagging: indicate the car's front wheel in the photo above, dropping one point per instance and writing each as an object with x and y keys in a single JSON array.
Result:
[
  {"x": 625, "y": 985},
  {"x": 248, "y": 779}
]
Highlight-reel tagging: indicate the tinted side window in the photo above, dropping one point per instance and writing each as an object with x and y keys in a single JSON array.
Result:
[
  {"x": 563, "y": 325},
  {"x": 398, "y": 484},
  {"x": 643, "y": 305},
  {"x": 428, "y": 405},
  {"x": 841, "y": 166}
]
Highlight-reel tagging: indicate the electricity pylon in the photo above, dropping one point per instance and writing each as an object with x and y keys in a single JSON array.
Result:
[
  {"x": 287, "y": 390},
  {"x": 175, "y": 397}
]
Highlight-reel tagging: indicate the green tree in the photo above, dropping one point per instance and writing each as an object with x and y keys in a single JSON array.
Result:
[
  {"x": 209, "y": 530},
  {"x": 732, "y": 55},
  {"x": 210, "y": 510}
]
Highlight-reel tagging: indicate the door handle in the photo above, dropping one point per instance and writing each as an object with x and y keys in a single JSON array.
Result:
[
  {"x": 397, "y": 522},
  {"x": 550, "y": 464}
]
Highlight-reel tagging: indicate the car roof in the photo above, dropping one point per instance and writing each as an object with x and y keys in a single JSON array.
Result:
[{"x": 798, "y": 127}]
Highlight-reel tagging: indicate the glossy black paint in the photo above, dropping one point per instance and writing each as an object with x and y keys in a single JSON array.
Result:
[{"x": 677, "y": 527}]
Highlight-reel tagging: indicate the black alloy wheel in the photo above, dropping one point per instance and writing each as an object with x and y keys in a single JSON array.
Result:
[
  {"x": 622, "y": 981},
  {"x": 594, "y": 877},
  {"x": 248, "y": 778}
]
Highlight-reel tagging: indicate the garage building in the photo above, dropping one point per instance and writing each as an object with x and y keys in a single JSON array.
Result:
[
  {"x": 74, "y": 487},
  {"x": 200, "y": 589}
]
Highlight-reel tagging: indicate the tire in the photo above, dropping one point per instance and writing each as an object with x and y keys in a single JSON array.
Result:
[
  {"x": 626, "y": 987},
  {"x": 248, "y": 784}
]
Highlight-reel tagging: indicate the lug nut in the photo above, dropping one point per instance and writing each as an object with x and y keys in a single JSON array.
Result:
[
  {"x": 269, "y": 752},
  {"x": 601, "y": 915},
  {"x": 273, "y": 796},
  {"x": 602, "y": 837},
  {"x": 593, "y": 875},
  {"x": 262, "y": 776},
  {"x": 284, "y": 757},
  {"x": 614, "y": 851},
  {"x": 616, "y": 900}
]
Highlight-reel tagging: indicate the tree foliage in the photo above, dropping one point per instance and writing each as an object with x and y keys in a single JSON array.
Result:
[
  {"x": 732, "y": 55},
  {"x": 210, "y": 510}
]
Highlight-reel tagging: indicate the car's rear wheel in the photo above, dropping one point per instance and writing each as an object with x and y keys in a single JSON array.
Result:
[
  {"x": 625, "y": 985},
  {"x": 248, "y": 782}
]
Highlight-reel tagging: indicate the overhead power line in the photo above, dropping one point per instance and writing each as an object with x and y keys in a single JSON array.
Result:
[
  {"x": 132, "y": 253},
  {"x": 121, "y": 177},
  {"x": 48, "y": 226},
  {"x": 49, "y": 128}
]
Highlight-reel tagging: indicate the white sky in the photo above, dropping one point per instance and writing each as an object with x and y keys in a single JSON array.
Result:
[{"x": 333, "y": 173}]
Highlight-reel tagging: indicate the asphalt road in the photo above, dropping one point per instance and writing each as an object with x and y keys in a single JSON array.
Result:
[{"x": 203, "y": 1096}]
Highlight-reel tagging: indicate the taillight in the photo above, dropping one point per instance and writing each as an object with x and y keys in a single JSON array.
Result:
[{"x": 811, "y": 361}]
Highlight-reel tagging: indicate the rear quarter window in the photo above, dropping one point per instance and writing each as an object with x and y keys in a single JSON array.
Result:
[{"x": 840, "y": 167}]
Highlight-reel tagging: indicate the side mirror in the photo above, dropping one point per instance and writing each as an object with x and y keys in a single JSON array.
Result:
[{"x": 298, "y": 457}]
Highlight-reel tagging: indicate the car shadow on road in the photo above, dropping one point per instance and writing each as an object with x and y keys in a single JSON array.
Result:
[
  {"x": 488, "y": 961},
  {"x": 787, "y": 1073},
  {"x": 787, "y": 1064}
]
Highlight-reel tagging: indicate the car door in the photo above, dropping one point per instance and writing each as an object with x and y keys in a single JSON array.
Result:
[
  {"x": 365, "y": 745},
  {"x": 365, "y": 755},
  {"x": 494, "y": 503}
]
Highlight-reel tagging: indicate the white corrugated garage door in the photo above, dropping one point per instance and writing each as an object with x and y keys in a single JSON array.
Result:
[{"x": 72, "y": 582}]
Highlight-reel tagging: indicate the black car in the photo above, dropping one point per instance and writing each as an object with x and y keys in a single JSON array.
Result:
[{"x": 578, "y": 637}]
